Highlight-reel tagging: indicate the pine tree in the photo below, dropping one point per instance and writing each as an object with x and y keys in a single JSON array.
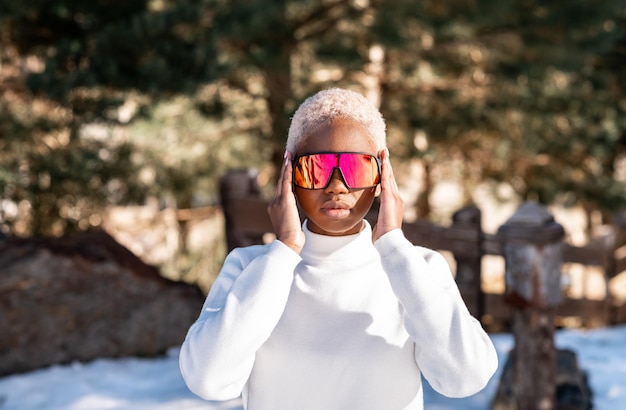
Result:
[{"x": 514, "y": 91}]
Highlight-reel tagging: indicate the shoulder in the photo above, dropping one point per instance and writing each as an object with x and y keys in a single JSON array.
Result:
[
  {"x": 248, "y": 252},
  {"x": 431, "y": 256},
  {"x": 395, "y": 241},
  {"x": 394, "y": 245},
  {"x": 239, "y": 258},
  {"x": 235, "y": 262}
]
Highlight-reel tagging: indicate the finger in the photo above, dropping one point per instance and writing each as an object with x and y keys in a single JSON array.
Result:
[
  {"x": 288, "y": 170},
  {"x": 284, "y": 179},
  {"x": 388, "y": 178}
]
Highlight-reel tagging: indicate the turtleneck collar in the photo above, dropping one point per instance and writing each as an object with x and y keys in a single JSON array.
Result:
[{"x": 328, "y": 247}]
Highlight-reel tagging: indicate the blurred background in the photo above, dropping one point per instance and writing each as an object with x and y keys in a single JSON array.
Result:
[{"x": 123, "y": 115}]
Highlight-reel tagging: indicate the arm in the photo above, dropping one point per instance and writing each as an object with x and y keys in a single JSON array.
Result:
[
  {"x": 451, "y": 348},
  {"x": 244, "y": 305}
]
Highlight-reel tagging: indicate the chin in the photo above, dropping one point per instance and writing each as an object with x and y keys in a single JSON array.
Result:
[{"x": 336, "y": 229}]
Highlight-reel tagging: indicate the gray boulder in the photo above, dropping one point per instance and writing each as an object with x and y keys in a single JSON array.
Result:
[{"x": 82, "y": 297}]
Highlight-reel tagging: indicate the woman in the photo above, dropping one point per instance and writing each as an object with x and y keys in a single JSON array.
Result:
[{"x": 334, "y": 314}]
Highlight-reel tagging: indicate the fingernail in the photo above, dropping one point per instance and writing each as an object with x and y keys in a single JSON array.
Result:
[{"x": 285, "y": 154}]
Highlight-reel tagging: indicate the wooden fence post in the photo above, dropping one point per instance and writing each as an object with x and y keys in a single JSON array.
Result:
[
  {"x": 235, "y": 185},
  {"x": 532, "y": 245},
  {"x": 468, "y": 264}
]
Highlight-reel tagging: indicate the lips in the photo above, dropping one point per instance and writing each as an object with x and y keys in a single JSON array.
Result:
[
  {"x": 336, "y": 205},
  {"x": 336, "y": 209}
]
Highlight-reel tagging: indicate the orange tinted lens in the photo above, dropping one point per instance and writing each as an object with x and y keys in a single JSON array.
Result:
[{"x": 314, "y": 171}]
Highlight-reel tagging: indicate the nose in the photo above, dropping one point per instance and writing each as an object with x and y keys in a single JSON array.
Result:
[{"x": 336, "y": 183}]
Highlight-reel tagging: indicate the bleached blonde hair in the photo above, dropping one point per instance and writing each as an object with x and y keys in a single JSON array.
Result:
[{"x": 325, "y": 106}]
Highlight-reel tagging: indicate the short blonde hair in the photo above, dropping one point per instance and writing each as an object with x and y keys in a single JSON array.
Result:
[{"x": 325, "y": 106}]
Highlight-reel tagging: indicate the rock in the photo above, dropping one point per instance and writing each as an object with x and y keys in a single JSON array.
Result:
[{"x": 83, "y": 297}]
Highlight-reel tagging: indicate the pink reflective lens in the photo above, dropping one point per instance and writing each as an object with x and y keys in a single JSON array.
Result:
[{"x": 313, "y": 171}]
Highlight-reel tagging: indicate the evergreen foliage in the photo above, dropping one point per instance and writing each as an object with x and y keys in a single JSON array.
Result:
[{"x": 105, "y": 103}]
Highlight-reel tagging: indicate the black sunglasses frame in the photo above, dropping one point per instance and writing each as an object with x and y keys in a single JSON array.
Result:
[{"x": 378, "y": 163}]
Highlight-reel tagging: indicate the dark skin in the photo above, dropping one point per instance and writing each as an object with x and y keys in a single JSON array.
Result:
[{"x": 335, "y": 210}]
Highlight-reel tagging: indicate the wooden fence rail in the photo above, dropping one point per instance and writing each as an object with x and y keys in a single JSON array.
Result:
[{"x": 247, "y": 222}]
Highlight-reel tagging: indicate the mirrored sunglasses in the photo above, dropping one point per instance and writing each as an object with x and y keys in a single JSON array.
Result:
[{"x": 358, "y": 170}]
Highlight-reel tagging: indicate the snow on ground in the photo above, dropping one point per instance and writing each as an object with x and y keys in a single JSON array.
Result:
[{"x": 156, "y": 384}]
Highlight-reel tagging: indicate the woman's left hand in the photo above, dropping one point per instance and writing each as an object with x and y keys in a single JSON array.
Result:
[{"x": 391, "y": 209}]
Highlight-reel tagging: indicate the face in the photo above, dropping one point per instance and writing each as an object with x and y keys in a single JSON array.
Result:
[{"x": 337, "y": 210}]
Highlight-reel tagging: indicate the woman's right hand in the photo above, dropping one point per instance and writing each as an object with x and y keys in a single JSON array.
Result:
[{"x": 283, "y": 210}]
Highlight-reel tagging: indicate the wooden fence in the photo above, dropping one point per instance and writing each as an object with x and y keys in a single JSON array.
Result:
[{"x": 247, "y": 223}]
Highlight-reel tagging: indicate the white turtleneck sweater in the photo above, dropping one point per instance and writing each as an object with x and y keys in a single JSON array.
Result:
[{"x": 347, "y": 324}]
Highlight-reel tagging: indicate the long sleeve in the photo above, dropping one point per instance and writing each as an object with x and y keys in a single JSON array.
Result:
[
  {"x": 242, "y": 308},
  {"x": 452, "y": 350}
]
